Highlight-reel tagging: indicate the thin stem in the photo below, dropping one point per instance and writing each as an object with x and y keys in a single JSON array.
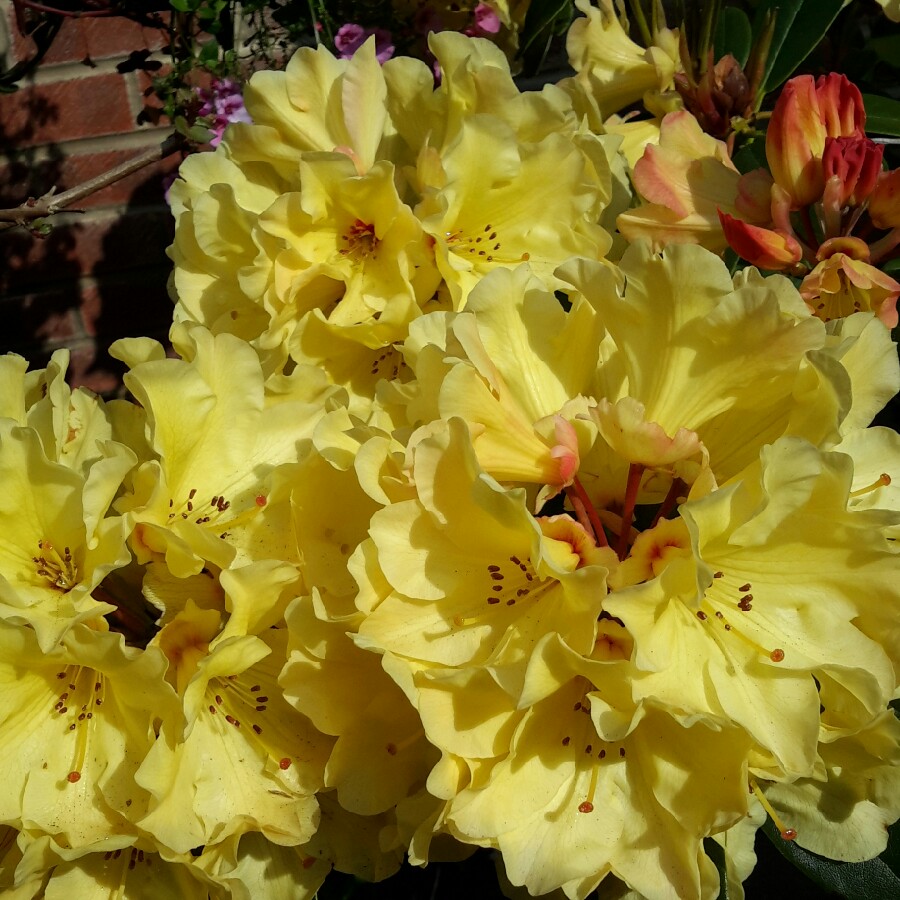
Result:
[
  {"x": 811, "y": 238},
  {"x": 596, "y": 524},
  {"x": 51, "y": 203},
  {"x": 635, "y": 471},
  {"x": 669, "y": 502},
  {"x": 881, "y": 248},
  {"x": 641, "y": 21}
]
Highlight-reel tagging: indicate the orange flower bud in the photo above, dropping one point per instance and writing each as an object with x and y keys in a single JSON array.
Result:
[
  {"x": 760, "y": 246},
  {"x": 841, "y": 106},
  {"x": 795, "y": 141},
  {"x": 884, "y": 201},
  {"x": 857, "y": 162}
]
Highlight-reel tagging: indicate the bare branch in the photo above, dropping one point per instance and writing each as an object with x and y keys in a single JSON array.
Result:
[{"x": 52, "y": 203}]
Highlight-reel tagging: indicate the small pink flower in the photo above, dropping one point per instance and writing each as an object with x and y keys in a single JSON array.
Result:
[
  {"x": 486, "y": 20},
  {"x": 224, "y": 104},
  {"x": 351, "y": 37}
]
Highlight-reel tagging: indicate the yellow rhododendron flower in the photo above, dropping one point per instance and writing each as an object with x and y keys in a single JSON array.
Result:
[
  {"x": 76, "y": 723},
  {"x": 214, "y": 493},
  {"x": 248, "y": 760},
  {"x": 612, "y": 67},
  {"x": 58, "y": 541},
  {"x": 686, "y": 179},
  {"x": 737, "y": 627},
  {"x": 498, "y": 207}
]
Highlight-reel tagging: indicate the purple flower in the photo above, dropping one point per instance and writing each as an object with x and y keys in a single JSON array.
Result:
[
  {"x": 351, "y": 37},
  {"x": 224, "y": 104}
]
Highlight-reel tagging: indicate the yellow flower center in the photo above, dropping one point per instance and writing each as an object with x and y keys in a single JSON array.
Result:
[
  {"x": 58, "y": 570},
  {"x": 359, "y": 240}
]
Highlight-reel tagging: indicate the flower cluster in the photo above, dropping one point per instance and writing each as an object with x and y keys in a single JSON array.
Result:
[
  {"x": 461, "y": 519},
  {"x": 824, "y": 209}
]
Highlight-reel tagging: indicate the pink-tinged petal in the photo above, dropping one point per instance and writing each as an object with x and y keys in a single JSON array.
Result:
[
  {"x": 840, "y": 286},
  {"x": 565, "y": 452},
  {"x": 762, "y": 247},
  {"x": 795, "y": 141},
  {"x": 854, "y": 247},
  {"x": 755, "y": 197},
  {"x": 884, "y": 201},
  {"x": 841, "y": 106}
]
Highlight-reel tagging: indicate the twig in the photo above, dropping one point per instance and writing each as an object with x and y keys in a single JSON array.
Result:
[{"x": 51, "y": 203}]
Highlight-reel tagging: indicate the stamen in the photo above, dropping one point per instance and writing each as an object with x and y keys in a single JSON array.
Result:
[
  {"x": 789, "y": 834},
  {"x": 393, "y": 749},
  {"x": 883, "y": 480},
  {"x": 587, "y": 806}
]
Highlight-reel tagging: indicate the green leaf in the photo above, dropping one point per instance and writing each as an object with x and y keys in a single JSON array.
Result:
[
  {"x": 870, "y": 880},
  {"x": 184, "y": 5},
  {"x": 799, "y": 27},
  {"x": 539, "y": 20},
  {"x": 209, "y": 52},
  {"x": 882, "y": 115},
  {"x": 733, "y": 35},
  {"x": 751, "y": 156},
  {"x": 716, "y": 852}
]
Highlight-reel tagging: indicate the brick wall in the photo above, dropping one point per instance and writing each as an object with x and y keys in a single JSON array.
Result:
[{"x": 101, "y": 273}]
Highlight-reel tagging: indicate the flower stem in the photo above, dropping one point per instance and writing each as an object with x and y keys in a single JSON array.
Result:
[
  {"x": 635, "y": 471},
  {"x": 588, "y": 507}
]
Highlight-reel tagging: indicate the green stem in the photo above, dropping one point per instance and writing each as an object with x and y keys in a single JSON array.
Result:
[{"x": 641, "y": 21}]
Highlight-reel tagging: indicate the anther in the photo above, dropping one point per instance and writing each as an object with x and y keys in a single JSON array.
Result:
[
  {"x": 883, "y": 480},
  {"x": 788, "y": 834}
]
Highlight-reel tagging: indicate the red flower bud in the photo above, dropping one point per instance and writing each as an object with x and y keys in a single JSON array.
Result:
[
  {"x": 857, "y": 162},
  {"x": 760, "y": 246},
  {"x": 841, "y": 106},
  {"x": 884, "y": 201}
]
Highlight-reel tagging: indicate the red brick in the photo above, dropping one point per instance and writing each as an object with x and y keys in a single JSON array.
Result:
[
  {"x": 21, "y": 179},
  {"x": 41, "y": 319},
  {"x": 93, "y": 38},
  {"x": 49, "y": 113},
  {"x": 127, "y": 305},
  {"x": 134, "y": 240},
  {"x": 84, "y": 371}
]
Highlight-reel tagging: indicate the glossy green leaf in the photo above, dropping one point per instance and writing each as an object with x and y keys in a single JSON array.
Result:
[
  {"x": 799, "y": 27},
  {"x": 540, "y": 20},
  {"x": 873, "y": 879},
  {"x": 751, "y": 156},
  {"x": 882, "y": 115},
  {"x": 734, "y": 35}
]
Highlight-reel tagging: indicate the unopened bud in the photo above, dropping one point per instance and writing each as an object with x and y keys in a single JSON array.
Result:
[
  {"x": 762, "y": 247},
  {"x": 795, "y": 141},
  {"x": 841, "y": 106},
  {"x": 857, "y": 162}
]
